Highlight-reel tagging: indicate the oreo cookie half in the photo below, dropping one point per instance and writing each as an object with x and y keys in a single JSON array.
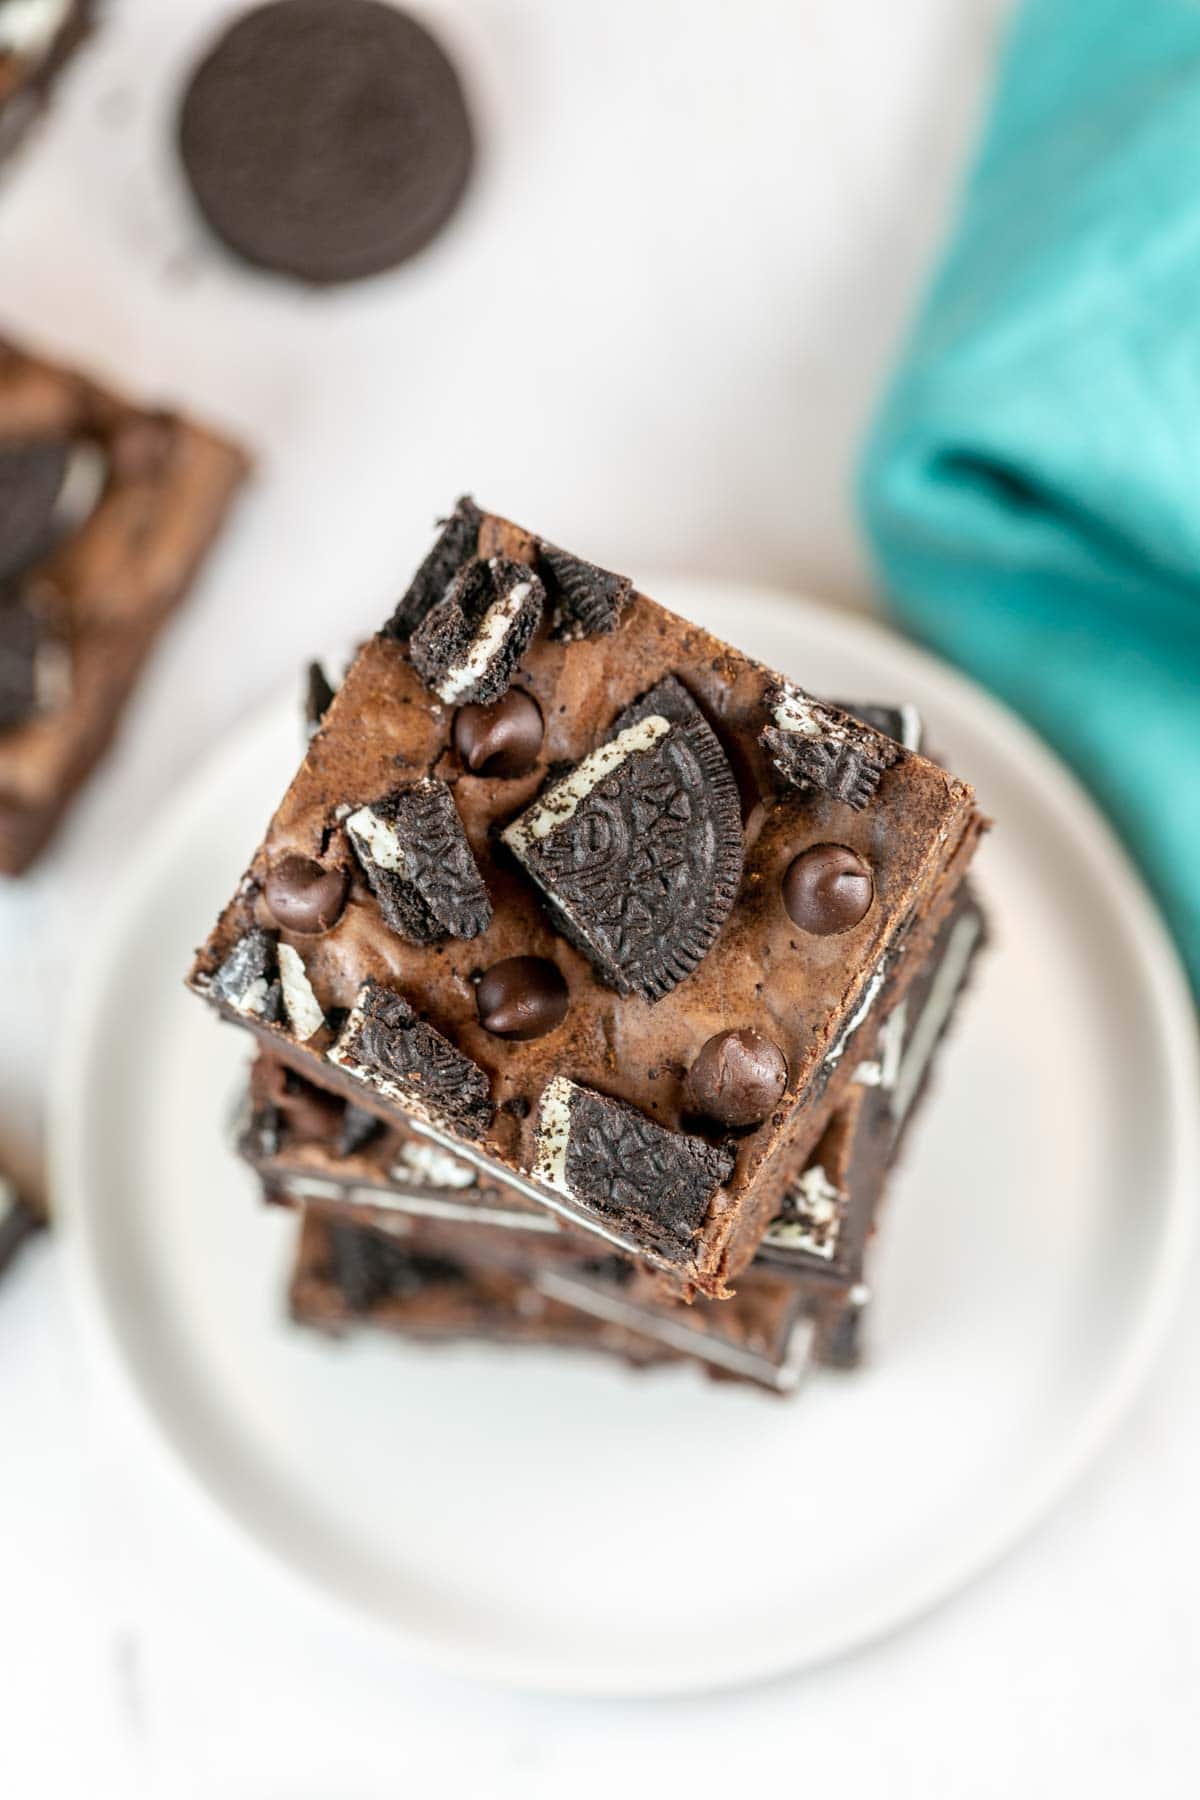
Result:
[
  {"x": 612, "y": 1159},
  {"x": 458, "y": 543},
  {"x": 418, "y": 864},
  {"x": 813, "y": 746},
  {"x": 467, "y": 647},
  {"x": 638, "y": 849},
  {"x": 584, "y": 600},
  {"x": 325, "y": 139},
  {"x": 384, "y": 1044}
]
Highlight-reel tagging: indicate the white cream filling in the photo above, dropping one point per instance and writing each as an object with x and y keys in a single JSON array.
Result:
[
  {"x": 554, "y": 1131},
  {"x": 799, "y": 713},
  {"x": 378, "y": 841},
  {"x": 935, "y": 1012},
  {"x": 253, "y": 1000},
  {"x": 870, "y": 994},
  {"x": 425, "y": 1162},
  {"x": 489, "y": 639},
  {"x": 885, "y": 1072},
  {"x": 565, "y": 797},
  {"x": 816, "y": 1230},
  {"x": 29, "y": 27},
  {"x": 910, "y": 726},
  {"x": 299, "y": 1002}
]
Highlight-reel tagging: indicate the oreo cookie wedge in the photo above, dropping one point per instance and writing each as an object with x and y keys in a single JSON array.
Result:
[
  {"x": 815, "y": 746},
  {"x": 386, "y": 1046},
  {"x": 584, "y": 601},
  {"x": 468, "y": 646},
  {"x": 457, "y": 543},
  {"x": 266, "y": 980},
  {"x": 611, "y": 1159},
  {"x": 638, "y": 849},
  {"x": 902, "y": 723},
  {"x": 414, "y": 853}
]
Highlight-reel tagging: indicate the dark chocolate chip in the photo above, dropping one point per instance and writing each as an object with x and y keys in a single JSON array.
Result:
[
  {"x": 248, "y": 979},
  {"x": 522, "y": 997},
  {"x": 828, "y": 889},
  {"x": 304, "y": 895},
  {"x": 20, "y": 637},
  {"x": 503, "y": 739},
  {"x": 737, "y": 1078},
  {"x": 584, "y": 601},
  {"x": 641, "y": 869},
  {"x": 469, "y": 645},
  {"x": 418, "y": 863},
  {"x": 368, "y": 1269},
  {"x": 384, "y": 1041},
  {"x": 31, "y": 478},
  {"x": 816, "y": 746},
  {"x": 325, "y": 139},
  {"x": 457, "y": 543},
  {"x": 318, "y": 696},
  {"x": 657, "y": 1183}
]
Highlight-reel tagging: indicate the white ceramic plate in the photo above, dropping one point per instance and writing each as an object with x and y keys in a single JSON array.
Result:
[{"x": 557, "y": 1523}]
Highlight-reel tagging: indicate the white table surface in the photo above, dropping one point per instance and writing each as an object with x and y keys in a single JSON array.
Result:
[{"x": 656, "y": 329}]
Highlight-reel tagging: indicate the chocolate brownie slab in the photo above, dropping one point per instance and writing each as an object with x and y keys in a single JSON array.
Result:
[
  {"x": 106, "y": 512},
  {"x": 37, "y": 38},
  {"x": 641, "y": 855}
]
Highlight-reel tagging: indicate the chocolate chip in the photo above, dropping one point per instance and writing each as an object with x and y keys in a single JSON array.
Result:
[
  {"x": 828, "y": 889},
  {"x": 815, "y": 746},
  {"x": 457, "y": 544},
  {"x": 304, "y": 895},
  {"x": 522, "y": 997},
  {"x": 638, "y": 849},
  {"x": 318, "y": 696},
  {"x": 468, "y": 645},
  {"x": 611, "y": 1158},
  {"x": 385, "y": 1044},
  {"x": 31, "y": 478},
  {"x": 500, "y": 740},
  {"x": 737, "y": 1078},
  {"x": 418, "y": 863},
  {"x": 584, "y": 601}
]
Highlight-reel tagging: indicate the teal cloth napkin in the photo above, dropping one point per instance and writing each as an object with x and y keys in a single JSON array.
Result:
[{"x": 1032, "y": 485}]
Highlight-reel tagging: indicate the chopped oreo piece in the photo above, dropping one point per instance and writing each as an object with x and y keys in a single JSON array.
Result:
[
  {"x": 368, "y": 1269},
  {"x": 469, "y": 645},
  {"x": 584, "y": 601},
  {"x": 457, "y": 544},
  {"x": 810, "y": 1220},
  {"x": 609, "y": 1157},
  {"x": 31, "y": 479},
  {"x": 385, "y": 1044},
  {"x": 318, "y": 697},
  {"x": 248, "y": 979},
  {"x": 359, "y": 1128},
  {"x": 418, "y": 863},
  {"x": 815, "y": 746},
  {"x": 638, "y": 849}
]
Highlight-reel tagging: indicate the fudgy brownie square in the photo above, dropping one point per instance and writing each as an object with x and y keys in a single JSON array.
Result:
[
  {"x": 106, "y": 512},
  {"x": 590, "y": 898}
]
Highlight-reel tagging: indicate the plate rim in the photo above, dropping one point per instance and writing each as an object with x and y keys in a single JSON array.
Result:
[{"x": 1161, "y": 978}]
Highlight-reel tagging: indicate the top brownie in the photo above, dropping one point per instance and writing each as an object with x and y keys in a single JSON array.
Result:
[{"x": 590, "y": 897}]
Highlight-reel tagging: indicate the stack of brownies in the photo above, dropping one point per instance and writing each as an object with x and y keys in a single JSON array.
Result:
[{"x": 595, "y": 971}]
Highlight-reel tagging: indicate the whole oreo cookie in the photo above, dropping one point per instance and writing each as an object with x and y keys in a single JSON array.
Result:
[{"x": 325, "y": 139}]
